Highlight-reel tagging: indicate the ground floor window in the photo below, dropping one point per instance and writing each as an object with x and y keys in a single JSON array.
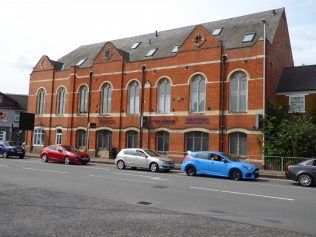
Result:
[
  {"x": 131, "y": 139},
  {"x": 162, "y": 141},
  {"x": 104, "y": 140},
  {"x": 238, "y": 144},
  {"x": 196, "y": 141},
  {"x": 59, "y": 134},
  {"x": 81, "y": 138},
  {"x": 38, "y": 137}
]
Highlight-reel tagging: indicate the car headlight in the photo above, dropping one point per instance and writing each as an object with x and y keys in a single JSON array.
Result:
[
  {"x": 246, "y": 167},
  {"x": 163, "y": 161}
]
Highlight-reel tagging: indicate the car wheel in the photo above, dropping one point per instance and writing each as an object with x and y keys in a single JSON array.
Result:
[
  {"x": 5, "y": 155},
  {"x": 67, "y": 160},
  {"x": 235, "y": 174},
  {"x": 120, "y": 165},
  {"x": 190, "y": 170},
  {"x": 154, "y": 167},
  {"x": 305, "y": 180},
  {"x": 44, "y": 158}
]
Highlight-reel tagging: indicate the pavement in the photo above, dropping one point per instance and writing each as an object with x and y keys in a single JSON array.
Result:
[{"x": 263, "y": 173}]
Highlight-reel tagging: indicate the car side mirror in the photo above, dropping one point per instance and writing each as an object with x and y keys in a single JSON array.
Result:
[{"x": 60, "y": 151}]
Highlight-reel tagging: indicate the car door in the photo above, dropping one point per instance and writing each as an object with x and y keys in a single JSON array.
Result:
[
  {"x": 51, "y": 152},
  {"x": 217, "y": 165},
  {"x": 141, "y": 159},
  {"x": 59, "y": 154},
  {"x": 1, "y": 148}
]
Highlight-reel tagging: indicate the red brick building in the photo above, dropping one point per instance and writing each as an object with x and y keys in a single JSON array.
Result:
[{"x": 199, "y": 87}]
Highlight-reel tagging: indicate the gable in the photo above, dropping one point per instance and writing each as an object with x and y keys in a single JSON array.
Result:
[
  {"x": 108, "y": 53},
  {"x": 44, "y": 64},
  {"x": 199, "y": 38}
]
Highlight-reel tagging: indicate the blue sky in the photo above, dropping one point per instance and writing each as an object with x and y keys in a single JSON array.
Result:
[{"x": 32, "y": 28}]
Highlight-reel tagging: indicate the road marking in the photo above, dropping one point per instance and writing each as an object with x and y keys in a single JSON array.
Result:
[
  {"x": 129, "y": 180},
  {"x": 35, "y": 162},
  {"x": 143, "y": 176},
  {"x": 4, "y": 166},
  {"x": 246, "y": 194},
  {"x": 87, "y": 167},
  {"x": 55, "y": 171},
  {"x": 283, "y": 186}
]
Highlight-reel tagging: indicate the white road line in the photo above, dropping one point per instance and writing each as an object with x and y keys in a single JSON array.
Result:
[
  {"x": 129, "y": 180},
  {"x": 143, "y": 176},
  {"x": 246, "y": 194},
  {"x": 87, "y": 167},
  {"x": 55, "y": 171},
  {"x": 4, "y": 166},
  {"x": 283, "y": 186},
  {"x": 35, "y": 162}
]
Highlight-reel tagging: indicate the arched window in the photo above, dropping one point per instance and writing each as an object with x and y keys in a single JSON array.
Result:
[
  {"x": 81, "y": 138},
  {"x": 40, "y": 105},
  {"x": 131, "y": 139},
  {"x": 162, "y": 141},
  {"x": 163, "y": 96},
  {"x": 238, "y": 92},
  {"x": 197, "y": 94},
  {"x": 196, "y": 141},
  {"x": 83, "y": 100},
  {"x": 38, "y": 137},
  {"x": 238, "y": 144},
  {"x": 106, "y": 94},
  {"x": 104, "y": 140},
  {"x": 59, "y": 134},
  {"x": 133, "y": 98},
  {"x": 61, "y": 100}
]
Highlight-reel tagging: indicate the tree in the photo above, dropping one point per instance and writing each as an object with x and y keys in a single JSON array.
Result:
[{"x": 288, "y": 135}]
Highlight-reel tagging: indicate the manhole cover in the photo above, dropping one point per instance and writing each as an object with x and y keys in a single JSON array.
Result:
[{"x": 144, "y": 203}]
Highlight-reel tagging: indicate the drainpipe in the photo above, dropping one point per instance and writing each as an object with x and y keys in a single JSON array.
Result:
[
  {"x": 51, "y": 107},
  {"x": 89, "y": 107},
  {"x": 264, "y": 84},
  {"x": 73, "y": 104},
  {"x": 142, "y": 107},
  {"x": 222, "y": 98},
  {"x": 121, "y": 105}
]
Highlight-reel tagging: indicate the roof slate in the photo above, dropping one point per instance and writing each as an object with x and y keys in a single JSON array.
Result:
[
  {"x": 232, "y": 34},
  {"x": 302, "y": 78}
]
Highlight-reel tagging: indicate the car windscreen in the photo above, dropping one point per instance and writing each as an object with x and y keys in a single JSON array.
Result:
[
  {"x": 69, "y": 148},
  {"x": 151, "y": 153}
]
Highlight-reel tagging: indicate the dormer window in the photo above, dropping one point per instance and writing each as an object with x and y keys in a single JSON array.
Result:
[
  {"x": 135, "y": 45},
  {"x": 81, "y": 61},
  {"x": 248, "y": 37},
  {"x": 175, "y": 49},
  {"x": 151, "y": 52},
  {"x": 217, "y": 31}
]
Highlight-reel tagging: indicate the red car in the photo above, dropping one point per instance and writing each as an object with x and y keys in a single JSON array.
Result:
[{"x": 64, "y": 154}]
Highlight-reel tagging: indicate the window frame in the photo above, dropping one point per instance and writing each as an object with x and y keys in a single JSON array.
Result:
[
  {"x": 133, "y": 105},
  {"x": 40, "y": 103},
  {"x": 240, "y": 92},
  {"x": 81, "y": 138},
  {"x": 106, "y": 137},
  {"x": 131, "y": 135},
  {"x": 106, "y": 99},
  {"x": 61, "y": 101},
  {"x": 238, "y": 143},
  {"x": 83, "y": 100},
  {"x": 299, "y": 106},
  {"x": 201, "y": 95},
  {"x": 195, "y": 135},
  {"x": 164, "y": 86},
  {"x": 165, "y": 141},
  {"x": 38, "y": 137}
]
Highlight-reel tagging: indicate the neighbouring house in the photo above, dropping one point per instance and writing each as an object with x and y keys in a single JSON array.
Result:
[
  {"x": 297, "y": 89},
  {"x": 200, "y": 87},
  {"x": 11, "y": 106}
]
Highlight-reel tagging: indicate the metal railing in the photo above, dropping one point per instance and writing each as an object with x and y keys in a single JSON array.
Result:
[{"x": 280, "y": 163}]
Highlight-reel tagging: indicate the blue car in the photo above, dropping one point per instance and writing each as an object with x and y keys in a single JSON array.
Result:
[
  {"x": 9, "y": 148},
  {"x": 217, "y": 164}
]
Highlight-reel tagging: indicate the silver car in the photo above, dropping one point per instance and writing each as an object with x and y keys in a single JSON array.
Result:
[{"x": 142, "y": 158}]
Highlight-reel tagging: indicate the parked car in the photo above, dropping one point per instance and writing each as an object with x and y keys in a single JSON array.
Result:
[
  {"x": 304, "y": 173},
  {"x": 64, "y": 154},
  {"x": 10, "y": 148},
  {"x": 143, "y": 158},
  {"x": 217, "y": 164}
]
